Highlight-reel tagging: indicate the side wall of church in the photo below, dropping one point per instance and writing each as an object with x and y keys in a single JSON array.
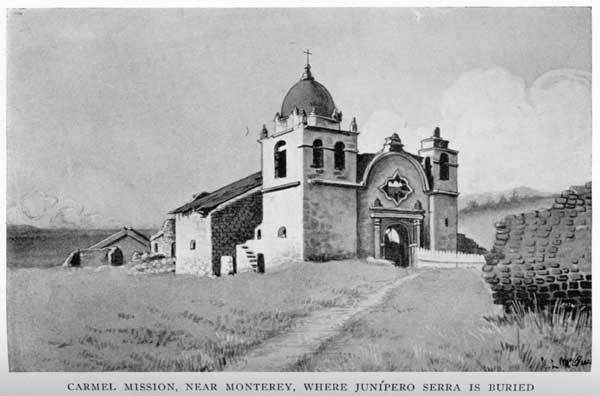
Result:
[
  {"x": 234, "y": 224},
  {"x": 380, "y": 172},
  {"x": 444, "y": 221},
  {"x": 282, "y": 210},
  {"x": 329, "y": 222},
  {"x": 193, "y": 227}
]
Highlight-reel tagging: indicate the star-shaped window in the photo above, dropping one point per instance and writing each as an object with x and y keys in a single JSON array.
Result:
[{"x": 396, "y": 188}]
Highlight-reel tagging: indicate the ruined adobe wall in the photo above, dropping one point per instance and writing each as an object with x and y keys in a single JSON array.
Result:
[{"x": 544, "y": 256}]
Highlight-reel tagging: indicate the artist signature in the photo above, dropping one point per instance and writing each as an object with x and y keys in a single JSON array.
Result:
[{"x": 565, "y": 362}]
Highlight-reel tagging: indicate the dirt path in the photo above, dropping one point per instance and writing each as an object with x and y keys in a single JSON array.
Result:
[
  {"x": 309, "y": 334},
  {"x": 432, "y": 323}
]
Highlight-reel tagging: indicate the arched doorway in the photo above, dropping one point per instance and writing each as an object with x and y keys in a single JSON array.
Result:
[{"x": 395, "y": 247}]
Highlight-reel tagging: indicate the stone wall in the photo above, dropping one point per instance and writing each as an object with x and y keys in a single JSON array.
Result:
[
  {"x": 544, "y": 256},
  {"x": 232, "y": 225},
  {"x": 329, "y": 222},
  {"x": 95, "y": 257},
  {"x": 444, "y": 222}
]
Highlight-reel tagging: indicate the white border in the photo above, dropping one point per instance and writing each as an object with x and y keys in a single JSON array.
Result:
[{"x": 547, "y": 384}]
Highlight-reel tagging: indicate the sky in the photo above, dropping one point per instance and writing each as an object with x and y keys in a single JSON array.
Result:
[{"x": 117, "y": 116}]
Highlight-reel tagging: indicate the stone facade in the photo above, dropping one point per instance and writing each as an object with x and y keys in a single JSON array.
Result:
[
  {"x": 330, "y": 233},
  {"x": 377, "y": 212}
]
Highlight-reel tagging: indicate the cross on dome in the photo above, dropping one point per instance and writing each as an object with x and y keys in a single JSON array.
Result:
[{"x": 308, "y": 54}]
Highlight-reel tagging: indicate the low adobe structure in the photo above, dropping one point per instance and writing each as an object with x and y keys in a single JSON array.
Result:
[
  {"x": 127, "y": 240},
  {"x": 163, "y": 242}
]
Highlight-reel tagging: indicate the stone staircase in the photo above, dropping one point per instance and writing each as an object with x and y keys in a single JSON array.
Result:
[{"x": 248, "y": 257}]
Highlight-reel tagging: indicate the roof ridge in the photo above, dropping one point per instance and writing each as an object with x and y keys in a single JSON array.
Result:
[{"x": 220, "y": 195}]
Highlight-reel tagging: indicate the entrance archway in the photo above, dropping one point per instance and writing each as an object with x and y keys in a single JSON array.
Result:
[{"x": 395, "y": 246}]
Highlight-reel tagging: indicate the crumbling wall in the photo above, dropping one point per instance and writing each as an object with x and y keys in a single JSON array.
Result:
[
  {"x": 95, "y": 257},
  {"x": 544, "y": 256}
]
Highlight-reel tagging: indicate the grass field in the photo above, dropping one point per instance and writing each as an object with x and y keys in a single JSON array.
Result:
[
  {"x": 64, "y": 319},
  {"x": 83, "y": 320},
  {"x": 454, "y": 327}
]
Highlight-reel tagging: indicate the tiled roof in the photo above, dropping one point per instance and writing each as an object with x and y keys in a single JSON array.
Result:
[{"x": 208, "y": 202}]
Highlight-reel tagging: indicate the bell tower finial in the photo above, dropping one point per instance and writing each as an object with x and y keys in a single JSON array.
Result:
[
  {"x": 307, "y": 75},
  {"x": 308, "y": 54}
]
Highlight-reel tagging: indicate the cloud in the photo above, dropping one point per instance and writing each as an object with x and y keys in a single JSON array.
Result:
[
  {"x": 511, "y": 134},
  {"x": 36, "y": 204},
  {"x": 508, "y": 133}
]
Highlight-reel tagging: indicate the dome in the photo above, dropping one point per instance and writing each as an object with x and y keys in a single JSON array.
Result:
[{"x": 307, "y": 94}]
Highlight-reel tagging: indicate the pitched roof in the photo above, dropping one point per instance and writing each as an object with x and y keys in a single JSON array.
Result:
[
  {"x": 157, "y": 235},
  {"x": 125, "y": 232},
  {"x": 206, "y": 203}
]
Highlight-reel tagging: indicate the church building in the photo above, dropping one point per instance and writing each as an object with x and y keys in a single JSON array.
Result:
[{"x": 317, "y": 198}]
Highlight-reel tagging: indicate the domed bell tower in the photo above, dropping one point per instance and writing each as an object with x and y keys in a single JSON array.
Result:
[
  {"x": 309, "y": 174},
  {"x": 441, "y": 166}
]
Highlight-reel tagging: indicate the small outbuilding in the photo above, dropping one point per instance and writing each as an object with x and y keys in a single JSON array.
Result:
[
  {"x": 163, "y": 242},
  {"x": 128, "y": 240}
]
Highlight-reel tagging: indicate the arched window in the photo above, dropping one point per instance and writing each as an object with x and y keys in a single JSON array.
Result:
[
  {"x": 155, "y": 247},
  {"x": 446, "y": 222},
  {"x": 192, "y": 244},
  {"x": 317, "y": 154},
  {"x": 281, "y": 232},
  {"x": 428, "y": 172},
  {"x": 280, "y": 159},
  {"x": 339, "y": 156},
  {"x": 258, "y": 234},
  {"x": 444, "y": 167}
]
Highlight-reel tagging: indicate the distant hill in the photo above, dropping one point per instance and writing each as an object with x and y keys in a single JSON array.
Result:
[
  {"x": 16, "y": 228},
  {"x": 517, "y": 194},
  {"x": 478, "y": 224}
]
